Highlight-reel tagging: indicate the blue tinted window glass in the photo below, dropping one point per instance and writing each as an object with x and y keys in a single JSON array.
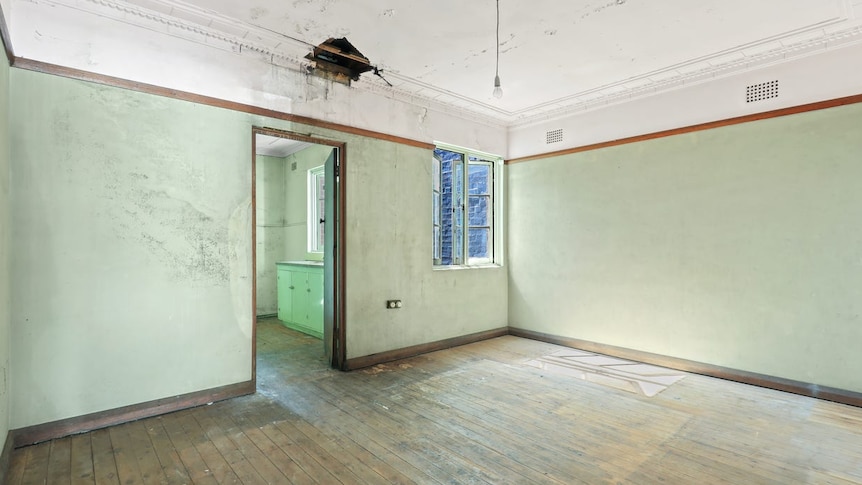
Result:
[
  {"x": 478, "y": 211},
  {"x": 479, "y": 244},
  {"x": 479, "y": 176}
]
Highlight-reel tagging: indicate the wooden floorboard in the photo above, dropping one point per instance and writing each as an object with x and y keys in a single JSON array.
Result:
[
  {"x": 104, "y": 462},
  {"x": 125, "y": 456},
  {"x": 300, "y": 456},
  {"x": 198, "y": 470},
  {"x": 60, "y": 462},
  {"x": 345, "y": 419},
  {"x": 220, "y": 460},
  {"x": 288, "y": 467},
  {"x": 36, "y": 468},
  {"x": 81, "y": 458},
  {"x": 472, "y": 414},
  {"x": 169, "y": 460}
]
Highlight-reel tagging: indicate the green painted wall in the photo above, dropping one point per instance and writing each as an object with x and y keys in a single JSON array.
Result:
[
  {"x": 5, "y": 345},
  {"x": 271, "y": 227},
  {"x": 131, "y": 229},
  {"x": 739, "y": 246},
  {"x": 131, "y": 249}
]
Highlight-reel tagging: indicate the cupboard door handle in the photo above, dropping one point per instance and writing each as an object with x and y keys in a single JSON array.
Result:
[
  {"x": 308, "y": 290},
  {"x": 291, "y": 287}
]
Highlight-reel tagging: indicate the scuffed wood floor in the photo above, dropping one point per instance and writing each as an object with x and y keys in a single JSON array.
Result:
[{"x": 475, "y": 414}]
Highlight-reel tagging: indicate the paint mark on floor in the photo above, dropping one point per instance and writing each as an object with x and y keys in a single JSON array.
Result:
[{"x": 635, "y": 377}]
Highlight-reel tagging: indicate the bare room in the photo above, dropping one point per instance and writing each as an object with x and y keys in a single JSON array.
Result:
[{"x": 463, "y": 242}]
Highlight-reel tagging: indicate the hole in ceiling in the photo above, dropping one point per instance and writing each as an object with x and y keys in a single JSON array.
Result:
[
  {"x": 338, "y": 60},
  {"x": 761, "y": 91}
]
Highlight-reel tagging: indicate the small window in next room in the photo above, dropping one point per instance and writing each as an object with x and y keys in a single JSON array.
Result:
[
  {"x": 316, "y": 200},
  {"x": 463, "y": 207}
]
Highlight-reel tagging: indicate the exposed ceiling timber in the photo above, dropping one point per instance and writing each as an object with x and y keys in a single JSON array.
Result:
[{"x": 557, "y": 57}]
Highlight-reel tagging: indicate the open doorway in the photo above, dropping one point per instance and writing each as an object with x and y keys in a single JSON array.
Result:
[{"x": 297, "y": 226}]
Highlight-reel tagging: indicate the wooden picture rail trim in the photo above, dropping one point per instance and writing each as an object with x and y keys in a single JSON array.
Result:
[
  {"x": 88, "y": 422},
  {"x": 68, "y": 72},
  {"x": 778, "y": 383},
  {"x": 804, "y": 108},
  {"x": 398, "y": 354},
  {"x": 7, "y": 40}
]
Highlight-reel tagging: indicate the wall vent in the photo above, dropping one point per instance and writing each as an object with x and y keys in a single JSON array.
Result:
[
  {"x": 554, "y": 136},
  {"x": 759, "y": 92}
]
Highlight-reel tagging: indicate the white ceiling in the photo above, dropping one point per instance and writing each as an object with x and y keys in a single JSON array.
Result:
[
  {"x": 556, "y": 55},
  {"x": 273, "y": 146}
]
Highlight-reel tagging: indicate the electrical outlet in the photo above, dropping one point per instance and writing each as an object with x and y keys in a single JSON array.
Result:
[{"x": 393, "y": 304}]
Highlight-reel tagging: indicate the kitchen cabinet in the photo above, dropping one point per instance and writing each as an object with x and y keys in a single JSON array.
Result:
[{"x": 300, "y": 296}]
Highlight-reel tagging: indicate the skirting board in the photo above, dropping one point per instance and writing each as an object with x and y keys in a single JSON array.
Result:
[
  {"x": 778, "y": 383},
  {"x": 57, "y": 429},
  {"x": 382, "y": 357},
  {"x": 65, "y": 427},
  {"x": 88, "y": 422},
  {"x": 5, "y": 457}
]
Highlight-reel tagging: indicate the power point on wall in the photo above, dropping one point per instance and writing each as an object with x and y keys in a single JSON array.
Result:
[{"x": 392, "y": 304}]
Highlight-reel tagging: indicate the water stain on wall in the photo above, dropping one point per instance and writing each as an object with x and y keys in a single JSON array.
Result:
[
  {"x": 184, "y": 239},
  {"x": 159, "y": 196}
]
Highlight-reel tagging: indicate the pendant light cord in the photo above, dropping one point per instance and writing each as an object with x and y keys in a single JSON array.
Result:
[
  {"x": 498, "y": 91},
  {"x": 497, "y": 68}
]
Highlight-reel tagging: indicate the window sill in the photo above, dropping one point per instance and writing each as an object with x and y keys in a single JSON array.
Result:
[{"x": 455, "y": 267}]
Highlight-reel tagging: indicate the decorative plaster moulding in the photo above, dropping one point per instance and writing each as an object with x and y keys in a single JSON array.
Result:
[
  {"x": 212, "y": 29},
  {"x": 177, "y": 19}
]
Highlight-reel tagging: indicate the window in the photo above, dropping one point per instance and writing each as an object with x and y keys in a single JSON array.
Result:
[
  {"x": 316, "y": 206},
  {"x": 463, "y": 207}
]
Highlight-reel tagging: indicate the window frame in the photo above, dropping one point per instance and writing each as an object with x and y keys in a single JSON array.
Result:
[
  {"x": 436, "y": 209},
  {"x": 494, "y": 194},
  {"x": 314, "y": 198},
  {"x": 491, "y": 210}
]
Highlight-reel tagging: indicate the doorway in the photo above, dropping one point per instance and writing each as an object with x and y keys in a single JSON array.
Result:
[{"x": 297, "y": 229}]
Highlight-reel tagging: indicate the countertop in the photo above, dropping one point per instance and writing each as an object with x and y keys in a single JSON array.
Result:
[{"x": 301, "y": 263}]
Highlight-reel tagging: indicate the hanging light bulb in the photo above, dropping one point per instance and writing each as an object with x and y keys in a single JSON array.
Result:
[{"x": 498, "y": 91}]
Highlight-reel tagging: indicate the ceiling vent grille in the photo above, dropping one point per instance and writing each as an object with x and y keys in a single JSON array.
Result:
[
  {"x": 554, "y": 136},
  {"x": 759, "y": 92}
]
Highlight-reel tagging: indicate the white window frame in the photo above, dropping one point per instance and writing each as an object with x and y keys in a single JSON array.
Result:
[
  {"x": 496, "y": 194},
  {"x": 315, "y": 242},
  {"x": 466, "y": 209},
  {"x": 436, "y": 219}
]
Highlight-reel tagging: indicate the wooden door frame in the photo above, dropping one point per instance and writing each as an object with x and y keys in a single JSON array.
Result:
[{"x": 338, "y": 350}]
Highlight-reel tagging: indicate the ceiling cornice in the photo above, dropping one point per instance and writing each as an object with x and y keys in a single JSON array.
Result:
[
  {"x": 690, "y": 74},
  {"x": 175, "y": 18}
]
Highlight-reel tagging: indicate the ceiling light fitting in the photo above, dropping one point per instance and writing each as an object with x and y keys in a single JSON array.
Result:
[{"x": 498, "y": 91}]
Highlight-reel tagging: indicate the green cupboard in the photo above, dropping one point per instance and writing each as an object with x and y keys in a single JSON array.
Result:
[{"x": 300, "y": 296}]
